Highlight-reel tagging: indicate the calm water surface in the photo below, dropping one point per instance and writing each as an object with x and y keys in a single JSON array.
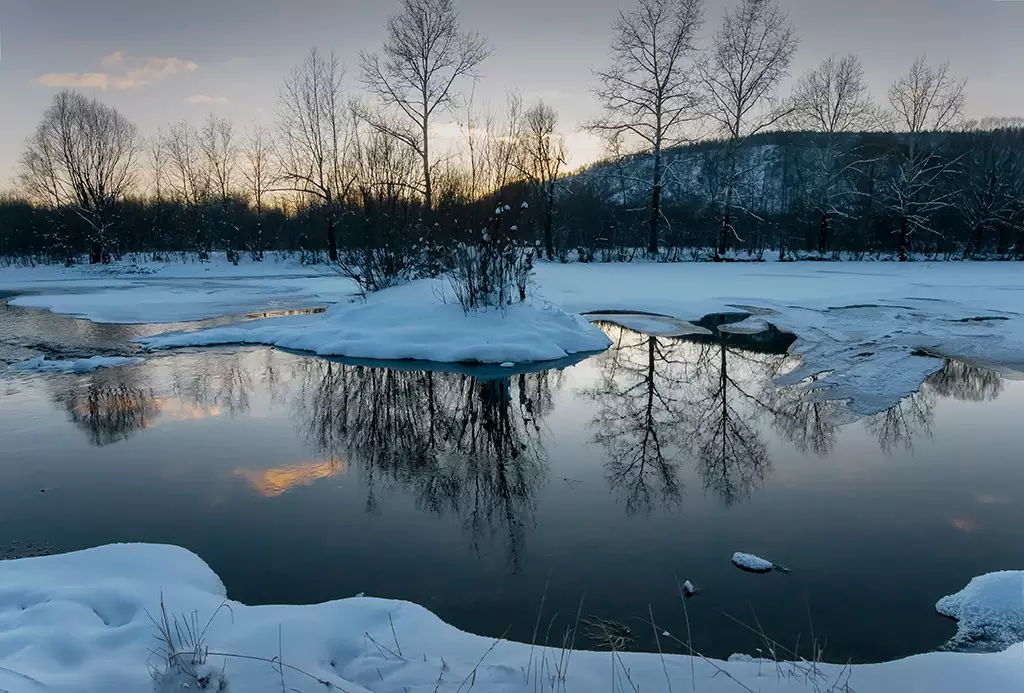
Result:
[{"x": 478, "y": 492}]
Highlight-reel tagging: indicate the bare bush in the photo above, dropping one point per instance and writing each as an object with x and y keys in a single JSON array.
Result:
[{"x": 493, "y": 269}]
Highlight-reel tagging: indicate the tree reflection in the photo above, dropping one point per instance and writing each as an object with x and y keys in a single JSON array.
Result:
[
  {"x": 637, "y": 388},
  {"x": 965, "y": 382},
  {"x": 663, "y": 400},
  {"x": 463, "y": 445},
  {"x": 109, "y": 409}
]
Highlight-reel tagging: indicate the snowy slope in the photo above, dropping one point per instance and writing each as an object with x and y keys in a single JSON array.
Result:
[{"x": 80, "y": 622}]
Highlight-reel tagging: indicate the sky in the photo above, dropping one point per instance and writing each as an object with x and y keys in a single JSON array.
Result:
[{"x": 161, "y": 61}]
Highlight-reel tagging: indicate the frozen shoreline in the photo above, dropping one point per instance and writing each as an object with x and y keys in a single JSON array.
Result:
[{"x": 80, "y": 622}]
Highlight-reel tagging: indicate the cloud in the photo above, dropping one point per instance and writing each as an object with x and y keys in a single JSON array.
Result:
[
  {"x": 115, "y": 59},
  {"x": 137, "y": 73},
  {"x": 155, "y": 70},
  {"x": 207, "y": 100},
  {"x": 75, "y": 80},
  {"x": 239, "y": 61}
]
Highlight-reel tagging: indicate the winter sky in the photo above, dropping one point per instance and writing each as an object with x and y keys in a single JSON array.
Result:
[{"x": 164, "y": 60}]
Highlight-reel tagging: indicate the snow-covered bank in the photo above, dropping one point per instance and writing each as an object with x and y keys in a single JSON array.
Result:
[
  {"x": 41, "y": 364},
  {"x": 80, "y": 622},
  {"x": 416, "y": 321},
  {"x": 989, "y": 612}
]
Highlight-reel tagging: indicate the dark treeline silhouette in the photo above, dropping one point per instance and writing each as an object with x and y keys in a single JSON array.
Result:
[
  {"x": 706, "y": 159},
  {"x": 598, "y": 215}
]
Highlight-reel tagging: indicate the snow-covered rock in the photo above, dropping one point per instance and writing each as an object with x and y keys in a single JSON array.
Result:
[
  {"x": 41, "y": 364},
  {"x": 417, "y": 321},
  {"x": 752, "y": 563},
  {"x": 989, "y": 612}
]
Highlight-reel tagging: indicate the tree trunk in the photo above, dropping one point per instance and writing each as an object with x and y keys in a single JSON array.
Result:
[
  {"x": 904, "y": 237},
  {"x": 652, "y": 239},
  {"x": 549, "y": 224},
  {"x": 975, "y": 248},
  {"x": 723, "y": 234},
  {"x": 96, "y": 253},
  {"x": 823, "y": 239},
  {"x": 428, "y": 191}
]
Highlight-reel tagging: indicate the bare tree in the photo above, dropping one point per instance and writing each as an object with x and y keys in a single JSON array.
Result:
[
  {"x": 833, "y": 98},
  {"x": 649, "y": 91},
  {"x": 749, "y": 58},
  {"x": 189, "y": 179},
  {"x": 928, "y": 97},
  {"x": 314, "y": 129},
  {"x": 925, "y": 100},
  {"x": 830, "y": 100},
  {"x": 82, "y": 156},
  {"x": 258, "y": 174},
  {"x": 425, "y": 53},
  {"x": 541, "y": 158},
  {"x": 219, "y": 148}
]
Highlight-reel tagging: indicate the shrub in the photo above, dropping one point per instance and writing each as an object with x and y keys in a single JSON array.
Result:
[{"x": 492, "y": 269}]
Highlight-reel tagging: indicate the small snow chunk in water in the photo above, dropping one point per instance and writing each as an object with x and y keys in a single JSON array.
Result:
[
  {"x": 508, "y": 364},
  {"x": 752, "y": 563},
  {"x": 688, "y": 589},
  {"x": 989, "y": 612},
  {"x": 41, "y": 365}
]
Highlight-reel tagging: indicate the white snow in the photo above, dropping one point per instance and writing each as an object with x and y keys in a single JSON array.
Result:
[
  {"x": 41, "y": 364},
  {"x": 755, "y": 564},
  {"x": 415, "y": 321},
  {"x": 989, "y": 612},
  {"x": 80, "y": 623},
  {"x": 859, "y": 324}
]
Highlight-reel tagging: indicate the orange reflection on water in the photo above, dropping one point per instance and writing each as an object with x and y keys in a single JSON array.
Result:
[{"x": 273, "y": 482}]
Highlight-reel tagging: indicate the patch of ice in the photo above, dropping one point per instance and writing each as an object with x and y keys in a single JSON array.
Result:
[
  {"x": 751, "y": 325},
  {"x": 41, "y": 364},
  {"x": 752, "y": 563},
  {"x": 653, "y": 325},
  {"x": 416, "y": 321},
  {"x": 989, "y": 612},
  {"x": 508, "y": 364}
]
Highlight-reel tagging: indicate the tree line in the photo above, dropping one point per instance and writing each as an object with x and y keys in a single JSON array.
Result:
[{"x": 706, "y": 159}]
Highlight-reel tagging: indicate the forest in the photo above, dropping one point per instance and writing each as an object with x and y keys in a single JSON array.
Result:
[{"x": 713, "y": 152}]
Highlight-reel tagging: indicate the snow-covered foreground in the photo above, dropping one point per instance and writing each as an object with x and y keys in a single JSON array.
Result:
[
  {"x": 81, "y": 622},
  {"x": 863, "y": 325},
  {"x": 416, "y": 321},
  {"x": 989, "y": 611}
]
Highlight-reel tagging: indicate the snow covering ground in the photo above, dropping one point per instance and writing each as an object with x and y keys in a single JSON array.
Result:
[
  {"x": 989, "y": 612},
  {"x": 864, "y": 326},
  {"x": 415, "y": 321},
  {"x": 752, "y": 563},
  {"x": 81, "y": 622},
  {"x": 41, "y": 364}
]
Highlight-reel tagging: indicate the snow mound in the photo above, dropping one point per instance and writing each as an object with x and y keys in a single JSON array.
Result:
[
  {"x": 80, "y": 623},
  {"x": 989, "y": 612},
  {"x": 417, "y": 321},
  {"x": 41, "y": 364},
  {"x": 752, "y": 563}
]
